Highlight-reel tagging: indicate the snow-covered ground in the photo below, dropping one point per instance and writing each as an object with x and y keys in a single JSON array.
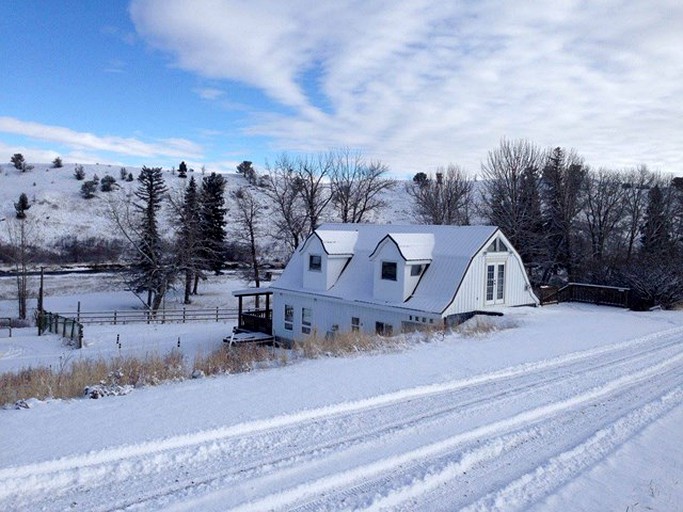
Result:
[{"x": 568, "y": 407}]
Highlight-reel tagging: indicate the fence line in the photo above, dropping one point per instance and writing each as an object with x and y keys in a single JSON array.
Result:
[
  {"x": 589, "y": 293},
  {"x": 61, "y": 325},
  {"x": 161, "y": 316}
]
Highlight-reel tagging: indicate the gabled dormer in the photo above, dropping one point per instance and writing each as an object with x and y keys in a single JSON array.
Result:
[
  {"x": 325, "y": 254},
  {"x": 399, "y": 260}
]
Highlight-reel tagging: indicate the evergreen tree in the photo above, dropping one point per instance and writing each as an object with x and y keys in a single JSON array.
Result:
[
  {"x": 212, "y": 221},
  {"x": 21, "y": 206},
  {"x": 248, "y": 171},
  {"x": 79, "y": 172},
  {"x": 563, "y": 177},
  {"x": 57, "y": 163},
  {"x": 182, "y": 170},
  {"x": 88, "y": 189},
  {"x": 189, "y": 238},
  {"x": 18, "y": 161},
  {"x": 655, "y": 233},
  {"x": 152, "y": 271}
]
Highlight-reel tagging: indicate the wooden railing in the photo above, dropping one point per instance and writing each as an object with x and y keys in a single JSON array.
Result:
[
  {"x": 588, "y": 293},
  {"x": 257, "y": 321}
]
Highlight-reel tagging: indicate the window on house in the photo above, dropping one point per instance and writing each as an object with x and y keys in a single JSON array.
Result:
[
  {"x": 355, "y": 324},
  {"x": 416, "y": 270},
  {"x": 314, "y": 262},
  {"x": 289, "y": 317},
  {"x": 306, "y": 320},
  {"x": 497, "y": 246},
  {"x": 389, "y": 270},
  {"x": 383, "y": 329}
]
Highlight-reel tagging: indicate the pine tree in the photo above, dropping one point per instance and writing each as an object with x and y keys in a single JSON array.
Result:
[
  {"x": 152, "y": 271},
  {"x": 655, "y": 233},
  {"x": 182, "y": 170},
  {"x": 21, "y": 206},
  {"x": 212, "y": 221},
  {"x": 57, "y": 163},
  {"x": 563, "y": 177},
  {"x": 18, "y": 161},
  {"x": 188, "y": 240}
]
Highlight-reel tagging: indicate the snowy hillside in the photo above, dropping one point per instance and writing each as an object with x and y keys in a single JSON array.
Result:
[{"x": 59, "y": 210}]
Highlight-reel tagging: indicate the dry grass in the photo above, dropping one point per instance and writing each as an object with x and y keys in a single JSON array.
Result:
[
  {"x": 71, "y": 378},
  {"x": 235, "y": 359},
  {"x": 344, "y": 343}
]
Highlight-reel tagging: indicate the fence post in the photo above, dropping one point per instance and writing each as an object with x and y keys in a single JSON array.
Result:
[
  {"x": 78, "y": 312},
  {"x": 114, "y": 317},
  {"x": 216, "y": 313},
  {"x": 183, "y": 314}
]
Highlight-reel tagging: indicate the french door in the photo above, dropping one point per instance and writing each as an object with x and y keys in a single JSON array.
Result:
[{"x": 495, "y": 283}]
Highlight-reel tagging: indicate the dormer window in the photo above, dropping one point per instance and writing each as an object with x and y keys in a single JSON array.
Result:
[
  {"x": 416, "y": 270},
  {"x": 497, "y": 246},
  {"x": 314, "y": 262},
  {"x": 389, "y": 270}
]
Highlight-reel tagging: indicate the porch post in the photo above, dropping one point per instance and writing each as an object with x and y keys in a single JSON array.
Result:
[
  {"x": 268, "y": 315},
  {"x": 239, "y": 312}
]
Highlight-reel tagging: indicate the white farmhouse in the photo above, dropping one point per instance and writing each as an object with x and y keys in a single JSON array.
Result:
[{"x": 388, "y": 278}]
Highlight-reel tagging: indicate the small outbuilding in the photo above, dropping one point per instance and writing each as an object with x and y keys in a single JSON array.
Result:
[{"x": 388, "y": 278}]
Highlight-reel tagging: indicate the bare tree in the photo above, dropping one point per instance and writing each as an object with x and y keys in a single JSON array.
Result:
[
  {"x": 282, "y": 187},
  {"x": 445, "y": 198},
  {"x": 21, "y": 234},
  {"x": 603, "y": 210},
  {"x": 312, "y": 173},
  {"x": 357, "y": 185},
  {"x": 247, "y": 228},
  {"x": 510, "y": 196}
]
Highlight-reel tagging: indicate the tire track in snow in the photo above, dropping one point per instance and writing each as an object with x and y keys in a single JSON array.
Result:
[
  {"x": 54, "y": 475},
  {"x": 371, "y": 479}
]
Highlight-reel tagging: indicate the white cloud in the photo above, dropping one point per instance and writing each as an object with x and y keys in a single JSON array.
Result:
[
  {"x": 88, "y": 142},
  {"x": 421, "y": 83},
  {"x": 209, "y": 93}
]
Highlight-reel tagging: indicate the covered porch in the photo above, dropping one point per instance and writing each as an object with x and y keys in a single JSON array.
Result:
[{"x": 254, "y": 313}]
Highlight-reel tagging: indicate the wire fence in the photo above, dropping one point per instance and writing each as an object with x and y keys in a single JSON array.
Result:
[{"x": 61, "y": 325}]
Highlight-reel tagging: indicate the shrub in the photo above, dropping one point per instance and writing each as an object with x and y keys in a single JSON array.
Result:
[
  {"x": 57, "y": 163},
  {"x": 88, "y": 189},
  {"x": 79, "y": 173},
  {"x": 107, "y": 183}
]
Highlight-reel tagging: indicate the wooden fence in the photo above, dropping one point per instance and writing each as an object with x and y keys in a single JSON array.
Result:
[
  {"x": 62, "y": 326},
  {"x": 161, "y": 316},
  {"x": 588, "y": 293}
]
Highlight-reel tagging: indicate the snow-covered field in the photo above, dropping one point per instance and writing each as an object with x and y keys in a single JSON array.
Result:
[{"x": 568, "y": 407}]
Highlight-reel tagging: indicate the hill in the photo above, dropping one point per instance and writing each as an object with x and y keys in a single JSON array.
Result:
[{"x": 59, "y": 214}]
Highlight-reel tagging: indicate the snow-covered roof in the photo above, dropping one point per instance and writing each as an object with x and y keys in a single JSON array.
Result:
[
  {"x": 336, "y": 242},
  {"x": 412, "y": 246},
  {"x": 451, "y": 249}
]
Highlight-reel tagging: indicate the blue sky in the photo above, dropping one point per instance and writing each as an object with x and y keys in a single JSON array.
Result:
[{"x": 417, "y": 84}]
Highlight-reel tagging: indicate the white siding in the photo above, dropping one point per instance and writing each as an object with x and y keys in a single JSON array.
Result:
[
  {"x": 472, "y": 292},
  {"x": 327, "y": 313},
  {"x": 383, "y": 289}
]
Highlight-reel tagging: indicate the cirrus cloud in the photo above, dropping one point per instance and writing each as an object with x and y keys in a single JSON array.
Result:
[
  {"x": 421, "y": 83},
  {"x": 174, "y": 147}
]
